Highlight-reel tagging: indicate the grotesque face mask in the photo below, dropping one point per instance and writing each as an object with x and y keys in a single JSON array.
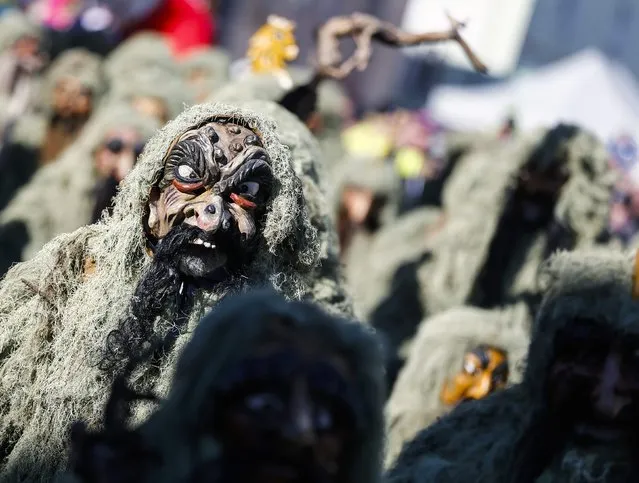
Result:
[
  {"x": 113, "y": 160},
  {"x": 593, "y": 383},
  {"x": 151, "y": 107},
  {"x": 484, "y": 370},
  {"x": 213, "y": 194},
  {"x": 289, "y": 410},
  {"x": 71, "y": 99}
]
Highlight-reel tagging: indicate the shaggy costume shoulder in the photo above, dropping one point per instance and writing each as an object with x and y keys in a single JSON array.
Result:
[
  {"x": 225, "y": 337},
  {"x": 60, "y": 196},
  {"x": 436, "y": 355},
  {"x": 476, "y": 442},
  {"x": 55, "y": 316},
  {"x": 385, "y": 284},
  {"x": 461, "y": 248}
]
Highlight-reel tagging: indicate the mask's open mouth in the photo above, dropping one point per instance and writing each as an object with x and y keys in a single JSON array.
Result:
[{"x": 205, "y": 244}]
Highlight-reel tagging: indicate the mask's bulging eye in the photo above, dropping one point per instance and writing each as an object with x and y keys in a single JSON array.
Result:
[
  {"x": 185, "y": 173},
  {"x": 250, "y": 188}
]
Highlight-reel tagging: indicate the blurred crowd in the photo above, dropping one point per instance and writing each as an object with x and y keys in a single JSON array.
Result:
[{"x": 219, "y": 263}]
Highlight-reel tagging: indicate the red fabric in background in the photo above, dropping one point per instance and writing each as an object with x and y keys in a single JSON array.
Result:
[{"x": 187, "y": 24}]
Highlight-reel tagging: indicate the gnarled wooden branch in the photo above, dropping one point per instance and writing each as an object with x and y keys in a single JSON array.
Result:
[{"x": 363, "y": 29}]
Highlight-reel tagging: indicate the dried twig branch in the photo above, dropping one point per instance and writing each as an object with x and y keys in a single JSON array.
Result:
[{"x": 363, "y": 29}]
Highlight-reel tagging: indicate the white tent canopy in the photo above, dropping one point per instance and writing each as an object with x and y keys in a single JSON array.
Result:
[{"x": 585, "y": 89}]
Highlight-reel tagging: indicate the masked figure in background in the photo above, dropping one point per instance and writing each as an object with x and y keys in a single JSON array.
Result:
[
  {"x": 272, "y": 48},
  {"x": 73, "y": 85},
  {"x": 21, "y": 62},
  {"x": 461, "y": 355},
  {"x": 553, "y": 193},
  {"x": 73, "y": 191},
  {"x": 143, "y": 72},
  {"x": 206, "y": 71},
  {"x": 296, "y": 392},
  {"x": 212, "y": 207},
  {"x": 138, "y": 53},
  {"x": 573, "y": 418},
  {"x": 153, "y": 93},
  {"x": 374, "y": 243}
]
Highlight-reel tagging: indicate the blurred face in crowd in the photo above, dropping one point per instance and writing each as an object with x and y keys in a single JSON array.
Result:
[
  {"x": 72, "y": 99},
  {"x": 117, "y": 154},
  {"x": 27, "y": 51},
  {"x": 151, "y": 107}
]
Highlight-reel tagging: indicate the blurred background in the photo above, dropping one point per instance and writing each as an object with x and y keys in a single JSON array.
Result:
[{"x": 550, "y": 61}]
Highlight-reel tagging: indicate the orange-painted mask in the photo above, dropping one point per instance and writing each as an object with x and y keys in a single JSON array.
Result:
[
  {"x": 273, "y": 46},
  {"x": 484, "y": 371}
]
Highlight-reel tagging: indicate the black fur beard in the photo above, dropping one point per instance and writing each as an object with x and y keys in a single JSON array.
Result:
[
  {"x": 158, "y": 293},
  {"x": 103, "y": 194}
]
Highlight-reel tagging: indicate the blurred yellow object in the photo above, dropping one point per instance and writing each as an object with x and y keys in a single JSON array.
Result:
[
  {"x": 365, "y": 139},
  {"x": 410, "y": 162},
  {"x": 272, "y": 47}
]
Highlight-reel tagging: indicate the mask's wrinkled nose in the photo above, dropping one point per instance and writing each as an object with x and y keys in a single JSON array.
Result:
[{"x": 209, "y": 215}]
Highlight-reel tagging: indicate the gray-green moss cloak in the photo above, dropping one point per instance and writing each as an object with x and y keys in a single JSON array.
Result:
[
  {"x": 54, "y": 316},
  {"x": 59, "y": 198},
  {"x": 476, "y": 441},
  {"x": 225, "y": 337}
]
